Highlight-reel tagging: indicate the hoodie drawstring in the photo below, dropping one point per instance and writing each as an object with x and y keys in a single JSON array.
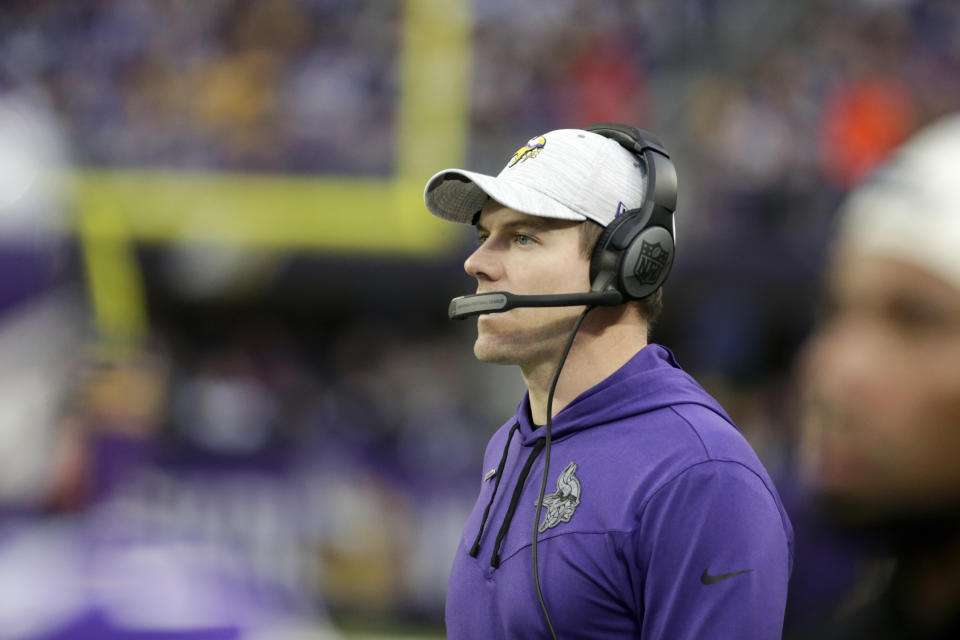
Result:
[
  {"x": 537, "y": 448},
  {"x": 475, "y": 549}
]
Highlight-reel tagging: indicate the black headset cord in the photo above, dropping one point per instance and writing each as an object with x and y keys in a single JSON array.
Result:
[{"x": 546, "y": 468}]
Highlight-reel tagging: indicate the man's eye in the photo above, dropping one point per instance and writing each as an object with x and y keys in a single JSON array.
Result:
[
  {"x": 522, "y": 239},
  {"x": 914, "y": 316},
  {"x": 481, "y": 239}
]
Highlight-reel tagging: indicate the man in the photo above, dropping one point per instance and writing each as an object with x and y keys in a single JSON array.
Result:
[
  {"x": 663, "y": 523},
  {"x": 880, "y": 439}
]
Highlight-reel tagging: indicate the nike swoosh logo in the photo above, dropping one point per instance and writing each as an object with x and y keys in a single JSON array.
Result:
[{"x": 706, "y": 578}]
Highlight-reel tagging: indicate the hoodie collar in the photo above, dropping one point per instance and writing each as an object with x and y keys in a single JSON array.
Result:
[{"x": 650, "y": 380}]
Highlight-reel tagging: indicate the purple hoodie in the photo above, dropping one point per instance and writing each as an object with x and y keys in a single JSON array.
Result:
[{"x": 659, "y": 523}]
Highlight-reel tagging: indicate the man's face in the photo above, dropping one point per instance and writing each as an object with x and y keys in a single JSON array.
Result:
[
  {"x": 525, "y": 254},
  {"x": 881, "y": 419}
]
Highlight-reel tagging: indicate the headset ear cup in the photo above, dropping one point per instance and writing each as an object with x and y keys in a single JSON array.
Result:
[
  {"x": 604, "y": 259},
  {"x": 646, "y": 263},
  {"x": 643, "y": 263},
  {"x": 635, "y": 253}
]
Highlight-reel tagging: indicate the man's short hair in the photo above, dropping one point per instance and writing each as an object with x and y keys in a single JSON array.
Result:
[{"x": 650, "y": 307}]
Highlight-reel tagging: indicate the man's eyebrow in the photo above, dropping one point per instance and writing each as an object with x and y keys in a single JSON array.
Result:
[{"x": 533, "y": 221}]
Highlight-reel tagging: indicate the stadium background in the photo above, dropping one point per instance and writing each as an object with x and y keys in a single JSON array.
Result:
[{"x": 222, "y": 303}]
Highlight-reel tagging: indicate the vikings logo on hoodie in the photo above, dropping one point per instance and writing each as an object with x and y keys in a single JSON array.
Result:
[{"x": 561, "y": 505}]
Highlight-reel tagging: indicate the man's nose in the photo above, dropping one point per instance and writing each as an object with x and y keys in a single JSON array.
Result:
[
  {"x": 842, "y": 359},
  {"x": 481, "y": 264}
]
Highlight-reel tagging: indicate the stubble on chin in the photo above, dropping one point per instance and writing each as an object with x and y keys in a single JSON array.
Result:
[
  {"x": 495, "y": 353},
  {"x": 519, "y": 347}
]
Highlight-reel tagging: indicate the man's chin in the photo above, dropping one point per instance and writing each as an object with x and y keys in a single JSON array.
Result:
[
  {"x": 505, "y": 338},
  {"x": 494, "y": 355}
]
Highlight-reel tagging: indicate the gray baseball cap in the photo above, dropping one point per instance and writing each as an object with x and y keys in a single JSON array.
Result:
[{"x": 569, "y": 174}]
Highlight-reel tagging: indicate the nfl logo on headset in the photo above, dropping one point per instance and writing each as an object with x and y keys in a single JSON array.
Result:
[{"x": 653, "y": 258}]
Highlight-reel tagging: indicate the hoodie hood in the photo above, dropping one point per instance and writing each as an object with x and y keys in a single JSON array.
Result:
[{"x": 650, "y": 380}]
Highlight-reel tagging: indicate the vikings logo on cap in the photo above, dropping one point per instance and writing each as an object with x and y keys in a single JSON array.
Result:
[{"x": 531, "y": 150}]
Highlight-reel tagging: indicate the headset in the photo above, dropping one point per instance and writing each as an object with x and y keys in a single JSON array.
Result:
[
  {"x": 631, "y": 260},
  {"x": 634, "y": 254}
]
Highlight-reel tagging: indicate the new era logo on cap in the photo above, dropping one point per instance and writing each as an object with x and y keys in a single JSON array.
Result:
[{"x": 568, "y": 174}]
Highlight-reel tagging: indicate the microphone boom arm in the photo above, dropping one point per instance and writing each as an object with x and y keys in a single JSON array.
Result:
[{"x": 493, "y": 302}]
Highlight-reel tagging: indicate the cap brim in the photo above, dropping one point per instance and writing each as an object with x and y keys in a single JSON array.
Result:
[{"x": 457, "y": 195}]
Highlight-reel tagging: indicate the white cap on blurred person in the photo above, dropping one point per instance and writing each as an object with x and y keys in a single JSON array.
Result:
[
  {"x": 570, "y": 174},
  {"x": 910, "y": 208}
]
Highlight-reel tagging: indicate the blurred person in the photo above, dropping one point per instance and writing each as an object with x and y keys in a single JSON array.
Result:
[
  {"x": 664, "y": 524},
  {"x": 880, "y": 432},
  {"x": 126, "y": 548}
]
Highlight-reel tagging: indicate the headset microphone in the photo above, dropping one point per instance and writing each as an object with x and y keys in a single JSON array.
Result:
[{"x": 475, "y": 304}]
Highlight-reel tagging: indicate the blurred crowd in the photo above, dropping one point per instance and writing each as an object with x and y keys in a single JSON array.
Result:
[
  {"x": 274, "y": 86},
  {"x": 284, "y": 472},
  {"x": 322, "y": 466}
]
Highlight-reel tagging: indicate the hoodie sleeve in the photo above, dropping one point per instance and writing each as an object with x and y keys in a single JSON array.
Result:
[{"x": 710, "y": 557}]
